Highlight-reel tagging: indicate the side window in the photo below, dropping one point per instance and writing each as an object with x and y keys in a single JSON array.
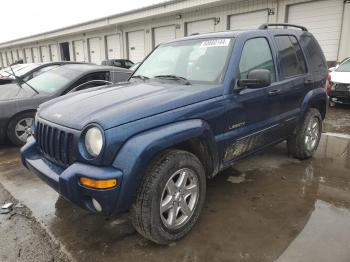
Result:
[
  {"x": 91, "y": 77},
  {"x": 128, "y": 64},
  {"x": 292, "y": 58},
  {"x": 117, "y": 63},
  {"x": 317, "y": 61},
  {"x": 256, "y": 54}
]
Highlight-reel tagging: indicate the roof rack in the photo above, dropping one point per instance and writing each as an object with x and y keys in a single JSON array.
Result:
[{"x": 266, "y": 26}]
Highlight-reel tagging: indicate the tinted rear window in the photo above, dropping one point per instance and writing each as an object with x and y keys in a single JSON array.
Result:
[
  {"x": 292, "y": 58},
  {"x": 317, "y": 61}
]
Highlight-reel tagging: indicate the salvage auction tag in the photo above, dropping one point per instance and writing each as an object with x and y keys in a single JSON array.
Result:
[{"x": 215, "y": 42}]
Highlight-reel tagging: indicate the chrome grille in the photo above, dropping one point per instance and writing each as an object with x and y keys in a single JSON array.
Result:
[{"x": 55, "y": 144}]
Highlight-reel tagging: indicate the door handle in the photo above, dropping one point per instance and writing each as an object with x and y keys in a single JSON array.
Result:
[
  {"x": 274, "y": 92},
  {"x": 308, "y": 81}
]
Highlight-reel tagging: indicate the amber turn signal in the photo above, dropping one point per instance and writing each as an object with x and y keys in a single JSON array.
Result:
[{"x": 98, "y": 184}]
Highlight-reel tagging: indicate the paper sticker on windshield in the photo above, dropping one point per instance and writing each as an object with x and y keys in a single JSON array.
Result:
[{"x": 215, "y": 42}]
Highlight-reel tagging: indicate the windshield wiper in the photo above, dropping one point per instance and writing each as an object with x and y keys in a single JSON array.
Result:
[
  {"x": 174, "y": 77},
  {"x": 140, "y": 77},
  {"x": 19, "y": 80}
]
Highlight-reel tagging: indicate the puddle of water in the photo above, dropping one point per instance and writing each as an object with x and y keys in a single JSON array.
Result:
[{"x": 254, "y": 221}]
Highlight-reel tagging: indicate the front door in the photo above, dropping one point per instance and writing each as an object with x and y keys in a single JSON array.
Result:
[{"x": 249, "y": 118}]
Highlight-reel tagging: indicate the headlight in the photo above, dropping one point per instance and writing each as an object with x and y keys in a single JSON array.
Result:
[{"x": 93, "y": 141}]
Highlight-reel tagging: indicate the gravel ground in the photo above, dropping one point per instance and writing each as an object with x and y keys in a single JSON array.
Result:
[{"x": 22, "y": 238}]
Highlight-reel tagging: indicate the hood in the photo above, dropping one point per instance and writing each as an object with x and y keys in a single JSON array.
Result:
[
  {"x": 12, "y": 91},
  {"x": 340, "y": 77},
  {"x": 121, "y": 104}
]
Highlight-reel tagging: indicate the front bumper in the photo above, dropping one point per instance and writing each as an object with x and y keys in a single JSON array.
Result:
[
  {"x": 66, "y": 181},
  {"x": 342, "y": 97}
]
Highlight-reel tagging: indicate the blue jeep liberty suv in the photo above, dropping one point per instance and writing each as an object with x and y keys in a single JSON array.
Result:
[{"x": 193, "y": 107}]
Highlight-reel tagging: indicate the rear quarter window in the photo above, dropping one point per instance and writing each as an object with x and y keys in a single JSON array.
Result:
[
  {"x": 317, "y": 61},
  {"x": 291, "y": 56}
]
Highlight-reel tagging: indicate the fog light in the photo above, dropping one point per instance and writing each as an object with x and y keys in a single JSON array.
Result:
[
  {"x": 96, "y": 205},
  {"x": 98, "y": 184}
]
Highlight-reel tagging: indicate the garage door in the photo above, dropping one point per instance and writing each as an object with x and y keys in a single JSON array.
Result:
[
  {"x": 323, "y": 19},
  {"x": 53, "y": 52},
  {"x": 79, "y": 51},
  {"x": 44, "y": 52},
  {"x": 28, "y": 55},
  {"x": 20, "y": 54},
  {"x": 36, "y": 58},
  {"x": 200, "y": 27},
  {"x": 136, "y": 46},
  {"x": 95, "y": 50},
  {"x": 163, "y": 34},
  {"x": 113, "y": 46},
  {"x": 2, "y": 62},
  {"x": 251, "y": 20},
  {"x": 14, "y": 55}
]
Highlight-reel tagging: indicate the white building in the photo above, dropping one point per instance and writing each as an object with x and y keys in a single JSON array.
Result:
[{"x": 135, "y": 33}]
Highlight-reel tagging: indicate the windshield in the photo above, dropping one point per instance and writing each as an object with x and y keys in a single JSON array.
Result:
[
  {"x": 54, "y": 80},
  {"x": 200, "y": 60},
  {"x": 24, "y": 70},
  {"x": 344, "y": 67},
  {"x": 7, "y": 72}
]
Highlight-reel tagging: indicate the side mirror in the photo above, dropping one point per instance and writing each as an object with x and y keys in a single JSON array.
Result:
[{"x": 256, "y": 78}]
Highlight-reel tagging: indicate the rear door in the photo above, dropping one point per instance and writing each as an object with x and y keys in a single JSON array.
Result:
[{"x": 293, "y": 74}]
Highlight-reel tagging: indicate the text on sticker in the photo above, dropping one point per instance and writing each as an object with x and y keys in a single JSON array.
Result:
[{"x": 215, "y": 42}]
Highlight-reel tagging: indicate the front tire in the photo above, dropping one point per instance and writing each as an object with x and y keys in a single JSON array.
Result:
[
  {"x": 170, "y": 197},
  {"x": 20, "y": 128},
  {"x": 304, "y": 142}
]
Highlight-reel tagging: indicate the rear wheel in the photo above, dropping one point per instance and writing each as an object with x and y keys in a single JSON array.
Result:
[
  {"x": 20, "y": 128},
  {"x": 305, "y": 141},
  {"x": 170, "y": 197}
]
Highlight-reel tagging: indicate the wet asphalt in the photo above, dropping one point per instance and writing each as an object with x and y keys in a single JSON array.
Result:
[{"x": 267, "y": 208}]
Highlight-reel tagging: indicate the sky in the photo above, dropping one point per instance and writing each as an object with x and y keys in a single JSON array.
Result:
[{"x": 20, "y": 18}]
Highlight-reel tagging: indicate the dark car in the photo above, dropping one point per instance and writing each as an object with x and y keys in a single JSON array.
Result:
[
  {"x": 194, "y": 107},
  {"x": 135, "y": 66},
  {"x": 26, "y": 72},
  {"x": 18, "y": 102},
  {"x": 124, "y": 63}
]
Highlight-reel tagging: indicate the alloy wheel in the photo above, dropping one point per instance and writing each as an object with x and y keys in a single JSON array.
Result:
[
  {"x": 312, "y": 134},
  {"x": 179, "y": 198},
  {"x": 23, "y": 129}
]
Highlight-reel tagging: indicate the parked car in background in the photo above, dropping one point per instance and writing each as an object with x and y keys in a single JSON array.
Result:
[
  {"x": 26, "y": 72},
  {"x": 124, "y": 63},
  {"x": 135, "y": 66},
  {"x": 338, "y": 87},
  {"x": 5, "y": 76},
  {"x": 194, "y": 107},
  {"x": 19, "y": 101},
  {"x": 331, "y": 69}
]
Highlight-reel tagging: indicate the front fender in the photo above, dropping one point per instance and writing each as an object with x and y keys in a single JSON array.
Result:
[
  {"x": 314, "y": 96},
  {"x": 136, "y": 154}
]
